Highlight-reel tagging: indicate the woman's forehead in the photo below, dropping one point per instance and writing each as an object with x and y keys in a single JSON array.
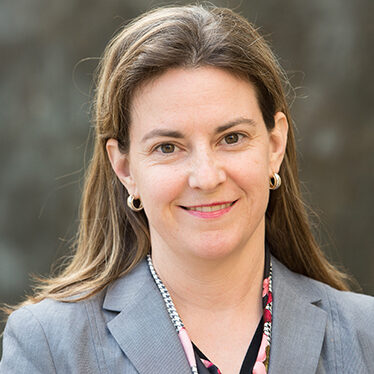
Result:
[{"x": 193, "y": 92}]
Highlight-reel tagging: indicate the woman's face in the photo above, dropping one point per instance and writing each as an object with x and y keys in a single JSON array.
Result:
[{"x": 200, "y": 160}]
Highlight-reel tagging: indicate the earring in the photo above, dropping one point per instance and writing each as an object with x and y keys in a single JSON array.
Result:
[
  {"x": 275, "y": 181},
  {"x": 130, "y": 203}
]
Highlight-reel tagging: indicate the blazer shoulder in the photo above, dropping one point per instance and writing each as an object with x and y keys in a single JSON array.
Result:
[
  {"x": 352, "y": 323},
  {"x": 54, "y": 319},
  {"x": 348, "y": 303},
  {"x": 51, "y": 314},
  {"x": 43, "y": 335},
  {"x": 355, "y": 309},
  {"x": 352, "y": 309},
  {"x": 23, "y": 340}
]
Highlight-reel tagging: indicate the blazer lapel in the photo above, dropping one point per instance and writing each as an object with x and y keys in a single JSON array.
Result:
[
  {"x": 143, "y": 328},
  {"x": 299, "y": 325}
]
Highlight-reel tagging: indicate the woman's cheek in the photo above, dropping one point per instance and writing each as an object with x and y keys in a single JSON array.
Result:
[{"x": 163, "y": 184}]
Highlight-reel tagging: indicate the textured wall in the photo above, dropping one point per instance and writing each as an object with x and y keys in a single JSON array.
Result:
[{"x": 326, "y": 46}]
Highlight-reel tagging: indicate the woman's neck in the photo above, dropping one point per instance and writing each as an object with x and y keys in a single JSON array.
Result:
[{"x": 232, "y": 283}]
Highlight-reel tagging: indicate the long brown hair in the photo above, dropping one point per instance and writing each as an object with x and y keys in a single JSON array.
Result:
[{"x": 112, "y": 239}]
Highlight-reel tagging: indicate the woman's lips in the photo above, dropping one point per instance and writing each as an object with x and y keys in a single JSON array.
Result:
[{"x": 210, "y": 210}]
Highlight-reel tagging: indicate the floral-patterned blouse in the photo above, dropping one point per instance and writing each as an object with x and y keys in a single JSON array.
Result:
[{"x": 256, "y": 360}]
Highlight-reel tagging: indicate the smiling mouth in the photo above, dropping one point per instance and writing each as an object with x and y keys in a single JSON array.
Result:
[{"x": 209, "y": 208}]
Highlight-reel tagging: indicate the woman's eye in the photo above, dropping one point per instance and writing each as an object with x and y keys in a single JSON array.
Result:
[
  {"x": 166, "y": 148},
  {"x": 232, "y": 138}
]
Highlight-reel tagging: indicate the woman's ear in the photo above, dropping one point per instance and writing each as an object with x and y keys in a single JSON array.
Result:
[
  {"x": 278, "y": 142},
  {"x": 121, "y": 165}
]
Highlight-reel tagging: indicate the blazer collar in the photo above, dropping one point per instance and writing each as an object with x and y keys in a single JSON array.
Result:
[
  {"x": 143, "y": 328},
  {"x": 299, "y": 323},
  {"x": 146, "y": 335}
]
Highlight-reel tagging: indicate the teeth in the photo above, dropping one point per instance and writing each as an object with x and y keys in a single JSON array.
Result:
[{"x": 210, "y": 208}]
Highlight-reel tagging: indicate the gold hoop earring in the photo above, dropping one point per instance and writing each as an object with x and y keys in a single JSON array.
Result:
[
  {"x": 130, "y": 203},
  {"x": 275, "y": 181}
]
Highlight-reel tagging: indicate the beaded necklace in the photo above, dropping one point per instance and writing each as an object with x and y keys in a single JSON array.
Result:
[{"x": 262, "y": 361}]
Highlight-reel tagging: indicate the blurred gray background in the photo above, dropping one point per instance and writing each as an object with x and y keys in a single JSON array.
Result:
[{"x": 45, "y": 92}]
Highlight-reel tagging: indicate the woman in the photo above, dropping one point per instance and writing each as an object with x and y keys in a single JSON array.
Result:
[{"x": 194, "y": 253}]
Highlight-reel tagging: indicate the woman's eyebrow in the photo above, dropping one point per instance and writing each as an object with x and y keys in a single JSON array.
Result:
[
  {"x": 234, "y": 122},
  {"x": 178, "y": 135},
  {"x": 162, "y": 132}
]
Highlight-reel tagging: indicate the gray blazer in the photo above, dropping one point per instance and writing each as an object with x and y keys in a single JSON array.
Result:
[{"x": 126, "y": 329}]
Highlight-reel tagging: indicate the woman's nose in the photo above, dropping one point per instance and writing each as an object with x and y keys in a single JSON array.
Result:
[{"x": 206, "y": 173}]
